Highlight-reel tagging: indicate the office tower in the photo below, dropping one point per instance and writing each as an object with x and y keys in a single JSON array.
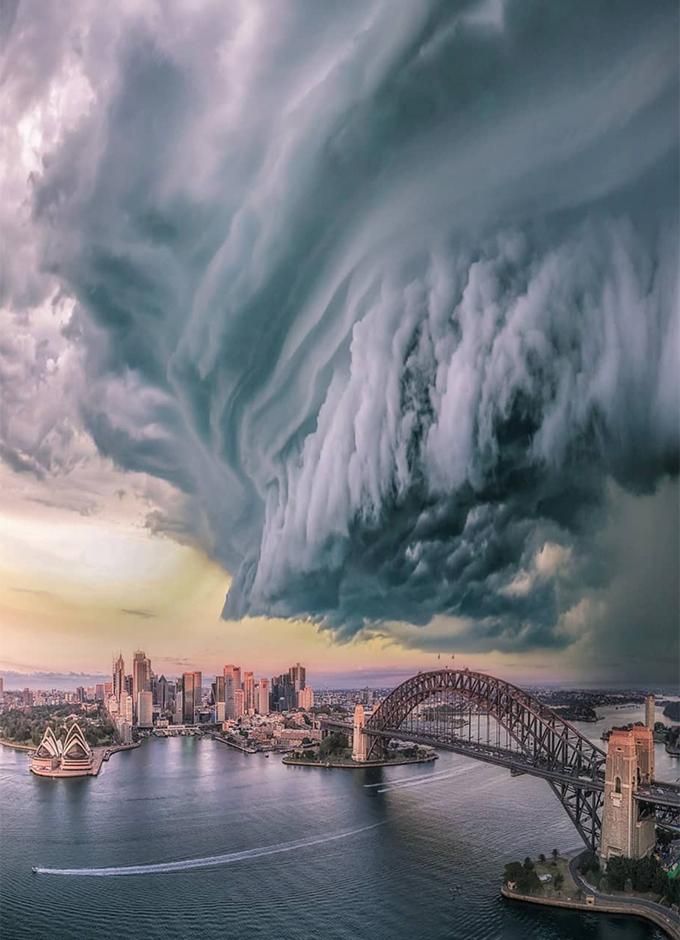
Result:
[
  {"x": 125, "y": 707},
  {"x": 99, "y": 693},
  {"x": 219, "y": 711},
  {"x": 141, "y": 675},
  {"x": 305, "y": 698},
  {"x": 108, "y": 689},
  {"x": 188, "y": 698},
  {"x": 232, "y": 682},
  {"x": 80, "y": 694},
  {"x": 128, "y": 684},
  {"x": 283, "y": 693},
  {"x": 162, "y": 698},
  {"x": 198, "y": 689},
  {"x": 248, "y": 692},
  {"x": 27, "y": 697},
  {"x": 118, "y": 685},
  {"x": 650, "y": 712},
  {"x": 179, "y": 707},
  {"x": 219, "y": 689},
  {"x": 262, "y": 701},
  {"x": 239, "y": 698},
  {"x": 297, "y": 675},
  {"x": 145, "y": 709}
]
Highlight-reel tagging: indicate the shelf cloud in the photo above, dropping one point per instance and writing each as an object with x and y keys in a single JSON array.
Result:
[{"x": 389, "y": 293}]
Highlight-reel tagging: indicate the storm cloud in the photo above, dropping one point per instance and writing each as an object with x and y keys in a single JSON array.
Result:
[{"x": 388, "y": 292}]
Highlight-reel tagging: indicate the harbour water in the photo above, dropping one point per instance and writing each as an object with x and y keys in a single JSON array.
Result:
[{"x": 222, "y": 844}]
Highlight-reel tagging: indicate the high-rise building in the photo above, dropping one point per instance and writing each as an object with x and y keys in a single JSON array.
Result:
[
  {"x": 248, "y": 692},
  {"x": 239, "y": 703},
  {"x": 179, "y": 707},
  {"x": 161, "y": 689},
  {"x": 118, "y": 685},
  {"x": 125, "y": 707},
  {"x": 305, "y": 698},
  {"x": 145, "y": 709},
  {"x": 198, "y": 689},
  {"x": 99, "y": 692},
  {"x": 262, "y": 697},
  {"x": 283, "y": 693},
  {"x": 650, "y": 711},
  {"x": 297, "y": 675},
  {"x": 80, "y": 694},
  {"x": 188, "y": 698},
  {"x": 141, "y": 675},
  {"x": 219, "y": 689},
  {"x": 232, "y": 682},
  {"x": 128, "y": 684}
]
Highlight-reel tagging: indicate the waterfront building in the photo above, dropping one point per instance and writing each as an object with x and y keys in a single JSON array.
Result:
[
  {"x": 248, "y": 692},
  {"x": 76, "y": 757},
  {"x": 239, "y": 703},
  {"x": 305, "y": 698},
  {"x": 118, "y": 684},
  {"x": 48, "y": 754},
  {"x": 219, "y": 689},
  {"x": 145, "y": 709},
  {"x": 220, "y": 711},
  {"x": 179, "y": 708},
  {"x": 262, "y": 697},
  {"x": 650, "y": 712},
  {"x": 630, "y": 763}
]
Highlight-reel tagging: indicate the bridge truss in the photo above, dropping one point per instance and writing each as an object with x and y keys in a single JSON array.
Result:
[{"x": 491, "y": 720}]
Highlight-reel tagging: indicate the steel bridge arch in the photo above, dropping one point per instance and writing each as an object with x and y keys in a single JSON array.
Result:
[{"x": 552, "y": 748}]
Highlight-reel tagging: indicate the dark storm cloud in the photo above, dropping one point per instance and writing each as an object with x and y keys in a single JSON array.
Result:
[{"x": 388, "y": 291}]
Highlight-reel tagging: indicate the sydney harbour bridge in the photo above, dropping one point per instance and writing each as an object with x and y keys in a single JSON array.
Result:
[{"x": 491, "y": 720}]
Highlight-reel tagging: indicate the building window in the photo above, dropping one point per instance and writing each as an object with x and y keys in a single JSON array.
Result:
[{"x": 617, "y": 785}]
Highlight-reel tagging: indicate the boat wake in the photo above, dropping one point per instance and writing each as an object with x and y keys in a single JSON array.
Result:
[{"x": 210, "y": 861}]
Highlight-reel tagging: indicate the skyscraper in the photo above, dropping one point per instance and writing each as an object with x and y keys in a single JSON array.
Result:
[
  {"x": 232, "y": 682},
  {"x": 297, "y": 675},
  {"x": 262, "y": 700},
  {"x": 119, "y": 677},
  {"x": 141, "y": 675},
  {"x": 219, "y": 689},
  {"x": 162, "y": 693},
  {"x": 198, "y": 689},
  {"x": 238, "y": 703},
  {"x": 188, "y": 698},
  {"x": 145, "y": 709},
  {"x": 248, "y": 692}
]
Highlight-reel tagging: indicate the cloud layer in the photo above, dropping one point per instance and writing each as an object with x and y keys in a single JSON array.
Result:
[{"x": 387, "y": 292}]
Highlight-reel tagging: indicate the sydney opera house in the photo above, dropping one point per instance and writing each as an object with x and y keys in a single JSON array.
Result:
[{"x": 72, "y": 757}]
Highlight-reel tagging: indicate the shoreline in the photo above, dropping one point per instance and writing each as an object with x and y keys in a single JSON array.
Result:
[
  {"x": 17, "y": 747},
  {"x": 607, "y": 905},
  {"x": 357, "y": 765}
]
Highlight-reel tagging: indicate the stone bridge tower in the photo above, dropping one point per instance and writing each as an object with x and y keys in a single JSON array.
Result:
[
  {"x": 630, "y": 763},
  {"x": 359, "y": 738}
]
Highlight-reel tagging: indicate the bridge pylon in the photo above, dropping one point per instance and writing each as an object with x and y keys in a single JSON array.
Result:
[
  {"x": 630, "y": 763},
  {"x": 360, "y": 742}
]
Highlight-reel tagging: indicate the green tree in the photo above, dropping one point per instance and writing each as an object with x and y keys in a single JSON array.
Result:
[{"x": 558, "y": 881}]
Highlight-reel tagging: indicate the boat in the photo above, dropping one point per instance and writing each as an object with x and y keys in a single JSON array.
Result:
[{"x": 34, "y": 869}]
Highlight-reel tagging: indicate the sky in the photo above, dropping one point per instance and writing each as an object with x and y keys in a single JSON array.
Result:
[{"x": 340, "y": 333}]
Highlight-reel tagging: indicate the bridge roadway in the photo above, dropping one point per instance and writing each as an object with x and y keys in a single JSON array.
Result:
[{"x": 661, "y": 794}]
